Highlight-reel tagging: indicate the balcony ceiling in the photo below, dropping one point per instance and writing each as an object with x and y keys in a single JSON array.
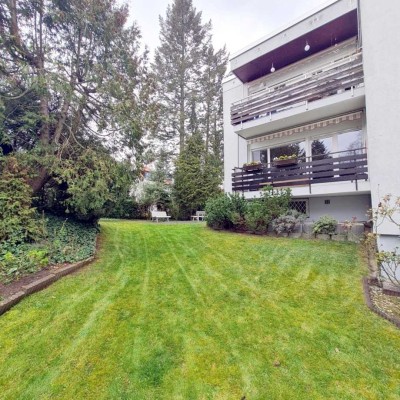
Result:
[{"x": 334, "y": 32}]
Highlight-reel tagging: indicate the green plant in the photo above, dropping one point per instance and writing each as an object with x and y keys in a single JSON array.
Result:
[
  {"x": 285, "y": 157},
  {"x": 257, "y": 217},
  {"x": 226, "y": 211},
  {"x": 325, "y": 224},
  {"x": 22, "y": 262},
  {"x": 69, "y": 240},
  {"x": 287, "y": 223},
  {"x": 18, "y": 219},
  {"x": 275, "y": 201},
  {"x": 252, "y": 163},
  {"x": 64, "y": 241}
]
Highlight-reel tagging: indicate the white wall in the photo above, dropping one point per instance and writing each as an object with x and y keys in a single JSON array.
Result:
[
  {"x": 341, "y": 207},
  {"x": 381, "y": 47},
  {"x": 235, "y": 148}
]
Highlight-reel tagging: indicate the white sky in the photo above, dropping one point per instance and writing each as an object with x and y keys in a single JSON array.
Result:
[{"x": 235, "y": 23}]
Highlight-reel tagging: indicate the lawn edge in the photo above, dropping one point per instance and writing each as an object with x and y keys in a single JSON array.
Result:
[
  {"x": 42, "y": 283},
  {"x": 370, "y": 304}
]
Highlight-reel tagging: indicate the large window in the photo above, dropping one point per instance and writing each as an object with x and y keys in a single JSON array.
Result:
[
  {"x": 318, "y": 148},
  {"x": 350, "y": 142},
  {"x": 298, "y": 148},
  {"x": 321, "y": 148}
]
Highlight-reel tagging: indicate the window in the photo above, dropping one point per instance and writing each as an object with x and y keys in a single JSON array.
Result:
[
  {"x": 298, "y": 148},
  {"x": 321, "y": 148},
  {"x": 350, "y": 142},
  {"x": 260, "y": 155},
  {"x": 299, "y": 205}
]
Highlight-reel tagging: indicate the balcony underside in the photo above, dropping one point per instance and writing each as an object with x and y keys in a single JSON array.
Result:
[{"x": 329, "y": 170}]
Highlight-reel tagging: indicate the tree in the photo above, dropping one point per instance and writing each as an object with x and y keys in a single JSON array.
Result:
[
  {"x": 178, "y": 65},
  {"x": 195, "y": 181},
  {"x": 211, "y": 89},
  {"x": 77, "y": 65},
  {"x": 157, "y": 189}
]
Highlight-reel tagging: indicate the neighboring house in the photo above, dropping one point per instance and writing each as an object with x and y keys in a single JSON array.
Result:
[{"x": 327, "y": 90}]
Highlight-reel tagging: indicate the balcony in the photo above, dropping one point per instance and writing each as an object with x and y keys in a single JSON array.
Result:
[
  {"x": 337, "y": 78},
  {"x": 337, "y": 167}
]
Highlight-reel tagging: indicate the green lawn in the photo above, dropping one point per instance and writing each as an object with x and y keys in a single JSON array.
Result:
[{"x": 177, "y": 311}]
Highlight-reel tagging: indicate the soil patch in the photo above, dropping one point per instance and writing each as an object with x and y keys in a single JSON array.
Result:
[{"x": 16, "y": 286}]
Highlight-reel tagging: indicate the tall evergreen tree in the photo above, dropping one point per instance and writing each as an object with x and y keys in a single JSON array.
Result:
[{"x": 178, "y": 66}]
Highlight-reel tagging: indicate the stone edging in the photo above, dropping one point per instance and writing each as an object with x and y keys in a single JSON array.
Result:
[
  {"x": 42, "y": 283},
  {"x": 372, "y": 307}
]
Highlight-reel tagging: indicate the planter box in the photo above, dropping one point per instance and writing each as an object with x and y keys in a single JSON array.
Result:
[
  {"x": 253, "y": 167},
  {"x": 285, "y": 163}
]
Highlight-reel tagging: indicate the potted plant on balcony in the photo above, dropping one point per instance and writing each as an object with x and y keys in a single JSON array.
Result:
[
  {"x": 285, "y": 161},
  {"x": 253, "y": 166}
]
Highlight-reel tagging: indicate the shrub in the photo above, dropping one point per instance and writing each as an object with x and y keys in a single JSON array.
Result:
[
  {"x": 64, "y": 241},
  {"x": 287, "y": 223},
  {"x": 18, "y": 219},
  {"x": 326, "y": 224},
  {"x": 69, "y": 240},
  {"x": 275, "y": 202},
  {"x": 226, "y": 211},
  {"x": 389, "y": 266},
  {"x": 22, "y": 261},
  {"x": 257, "y": 217}
]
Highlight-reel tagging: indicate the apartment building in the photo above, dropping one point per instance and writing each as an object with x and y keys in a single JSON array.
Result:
[{"x": 314, "y": 107}]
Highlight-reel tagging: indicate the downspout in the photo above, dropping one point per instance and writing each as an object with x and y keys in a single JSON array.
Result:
[{"x": 359, "y": 41}]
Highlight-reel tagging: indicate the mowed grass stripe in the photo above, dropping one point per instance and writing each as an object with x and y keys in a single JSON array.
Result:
[{"x": 177, "y": 311}]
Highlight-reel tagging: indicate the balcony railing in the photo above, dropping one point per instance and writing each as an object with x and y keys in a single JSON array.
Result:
[
  {"x": 335, "y": 167},
  {"x": 331, "y": 79}
]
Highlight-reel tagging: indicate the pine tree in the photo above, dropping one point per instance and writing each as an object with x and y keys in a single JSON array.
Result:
[{"x": 178, "y": 65}]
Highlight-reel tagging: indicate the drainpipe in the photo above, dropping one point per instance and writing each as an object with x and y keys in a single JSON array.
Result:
[{"x": 359, "y": 42}]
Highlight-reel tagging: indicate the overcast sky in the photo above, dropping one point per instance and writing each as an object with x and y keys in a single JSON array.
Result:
[{"x": 235, "y": 23}]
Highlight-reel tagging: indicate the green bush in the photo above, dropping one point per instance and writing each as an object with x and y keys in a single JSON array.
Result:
[
  {"x": 257, "y": 217},
  {"x": 23, "y": 260},
  {"x": 18, "y": 219},
  {"x": 275, "y": 202},
  {"x": 326, "y": 224},
  {"x": 70, "y": 241},
  {"x": 233, "y": 211},
  {"x": 65, "y": 241},
  {"x": 226, "y": 211}
]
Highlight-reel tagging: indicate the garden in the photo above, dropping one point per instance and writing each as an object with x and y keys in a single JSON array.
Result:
[{"x": 179, "y": 311}]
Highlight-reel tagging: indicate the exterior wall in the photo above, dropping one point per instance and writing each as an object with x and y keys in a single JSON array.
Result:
[
  {"x": 235, "y": 149},
  {"x": 381, "y": 44},
  {"x": 341, "y": 207}
]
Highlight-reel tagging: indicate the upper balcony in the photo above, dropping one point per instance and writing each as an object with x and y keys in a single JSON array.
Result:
[{"x": 330, "y": 89}]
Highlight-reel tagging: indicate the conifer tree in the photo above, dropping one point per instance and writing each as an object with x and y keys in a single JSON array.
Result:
[
  {"x": 195, "y": 179},
  {"x": 178, "y": 65}
]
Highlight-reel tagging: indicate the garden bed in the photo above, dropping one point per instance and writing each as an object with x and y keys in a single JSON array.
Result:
[
  {"x": 384, "y": 305},
  {"x": 64, "y": 242}
]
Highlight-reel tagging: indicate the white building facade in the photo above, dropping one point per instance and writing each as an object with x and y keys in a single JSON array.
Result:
[{"x": 316, "y": 105}]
